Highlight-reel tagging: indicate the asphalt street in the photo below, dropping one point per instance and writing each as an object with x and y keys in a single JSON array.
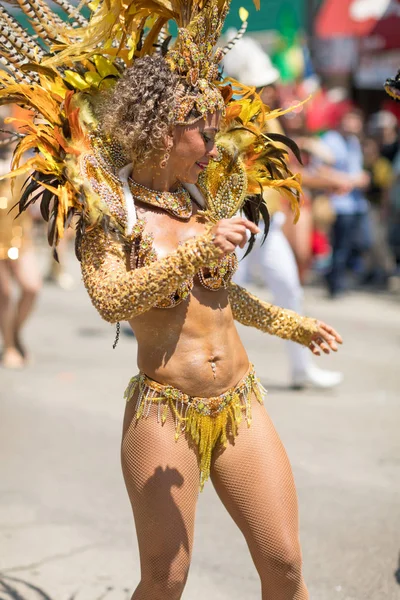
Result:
[{"x": 66, "y": 531}]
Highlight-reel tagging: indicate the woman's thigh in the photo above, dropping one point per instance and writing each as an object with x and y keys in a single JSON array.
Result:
[
  {"x": 162, "y": 479},
  {"x": 26, "y": 272},
  {"x": 254, "y": 480},
  {"x": 5, "y": 282}
]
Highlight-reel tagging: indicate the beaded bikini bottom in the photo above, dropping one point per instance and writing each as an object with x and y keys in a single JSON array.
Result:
[{"x": 207, "y": 421}]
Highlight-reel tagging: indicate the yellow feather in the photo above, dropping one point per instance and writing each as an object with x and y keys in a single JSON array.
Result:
[
  {"x": 76, "y": 80},
  {"x": 243, "y": 14},
  {"x": 104, "y": 66},
  {"x": 275, "y": 114},
  {"x": 93, "y": 79}
]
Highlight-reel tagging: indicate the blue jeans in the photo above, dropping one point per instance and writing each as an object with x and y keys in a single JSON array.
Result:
[{"x": 351, "y": 236}]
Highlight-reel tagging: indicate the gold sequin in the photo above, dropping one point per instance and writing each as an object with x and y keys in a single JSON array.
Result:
[
  {"x": 213, "y": 277},
  {"x": 178, "y": 204},
  {"x": 120, "y": 294},
  {"x": 286, "y": 324},
  {"x": 224, "y": 185},
  {"x": 193, "y": 58}
]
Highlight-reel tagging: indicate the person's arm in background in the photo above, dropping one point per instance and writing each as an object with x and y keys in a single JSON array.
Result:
[
  {"x": 327, "y": 174},
  {"x": 360, "y": 180},
  {"x": 327, "y": 179}
]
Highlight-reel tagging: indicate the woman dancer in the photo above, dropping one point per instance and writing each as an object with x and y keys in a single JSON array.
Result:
[{"x": 159, "y": 186}]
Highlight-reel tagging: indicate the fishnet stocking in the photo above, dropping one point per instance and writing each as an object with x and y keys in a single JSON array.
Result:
[
  {"x": 252, "y": 477},
  {"x": 162, "y": 478},
  {"x": 254, "y": 480}
]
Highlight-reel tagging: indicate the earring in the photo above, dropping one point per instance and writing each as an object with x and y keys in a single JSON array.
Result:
[{"x": 166, "y": 156}]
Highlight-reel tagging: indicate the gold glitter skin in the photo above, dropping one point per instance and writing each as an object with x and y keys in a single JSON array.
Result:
[{"x": 121, "y": 294}]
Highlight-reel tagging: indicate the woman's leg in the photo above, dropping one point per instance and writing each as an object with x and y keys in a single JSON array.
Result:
[
  {"x": 27, "y": 275},
  {"x": 254, "y": 480},
  {"x": 11, "y": 358},
  {"x": 5, "y": 303},
  {"x": 281, "y": 276},
  {"x": 299, "y": 236},
  {"x": 162, "y": 478},
  {"x": 342, "y": 235}
]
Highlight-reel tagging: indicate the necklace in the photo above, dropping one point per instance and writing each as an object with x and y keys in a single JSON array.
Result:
[{"x": 178, "y": 204}]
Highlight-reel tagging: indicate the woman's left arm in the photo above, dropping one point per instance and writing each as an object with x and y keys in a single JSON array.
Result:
[{"x": 249, "y": 310}]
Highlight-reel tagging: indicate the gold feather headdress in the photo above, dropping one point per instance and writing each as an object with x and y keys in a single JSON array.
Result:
[
  {"x": 127, "y": 30},
  {"x": 78, "y": 58}
]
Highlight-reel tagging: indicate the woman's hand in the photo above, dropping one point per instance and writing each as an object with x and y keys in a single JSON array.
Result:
[
  {"x": 325, "y": 339},
  {"x": 229, "y": 233}
]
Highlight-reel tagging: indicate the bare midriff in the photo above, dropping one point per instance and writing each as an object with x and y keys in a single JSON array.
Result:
[{"x": 193, "y": 346}]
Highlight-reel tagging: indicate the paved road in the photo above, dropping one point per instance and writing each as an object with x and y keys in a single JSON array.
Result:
[{"x": 65, "y": 521}]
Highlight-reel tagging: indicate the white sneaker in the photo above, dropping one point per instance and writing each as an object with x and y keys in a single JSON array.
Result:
[{"x": 316, "y": 377}]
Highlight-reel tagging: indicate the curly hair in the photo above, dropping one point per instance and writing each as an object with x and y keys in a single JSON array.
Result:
[{"x": 139, "y": 111}]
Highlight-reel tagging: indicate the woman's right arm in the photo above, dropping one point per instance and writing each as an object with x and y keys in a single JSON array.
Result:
[{"x": 120, "y": 294}]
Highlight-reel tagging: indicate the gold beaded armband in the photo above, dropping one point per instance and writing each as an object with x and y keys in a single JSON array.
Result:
[
  {"x": 120, "y": 294},
  {"x": 249, "y": 310}
]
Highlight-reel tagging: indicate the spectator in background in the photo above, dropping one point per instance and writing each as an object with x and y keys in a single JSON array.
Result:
[
  {"x": 351, "y": 231},
  {"x": 248, "y": 58},
  {"x": 384, "y": 128},
  {"x": 380, "y": 262},
  {"x": 251, "y": 66},
  {"x": 394, "y": 213},
  {"x": 299, "y": 234}
]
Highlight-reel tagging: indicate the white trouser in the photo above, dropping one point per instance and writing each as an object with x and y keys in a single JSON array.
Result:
[{"x": 276, "y": 266}]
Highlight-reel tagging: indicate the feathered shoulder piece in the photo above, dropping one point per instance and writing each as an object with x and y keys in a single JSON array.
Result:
[
  {"x": 55, "y": 132},
  {"x": 251, "y": 159}
]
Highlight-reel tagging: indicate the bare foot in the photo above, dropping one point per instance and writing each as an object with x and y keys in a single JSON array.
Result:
[{"x": 12, "y": 359}]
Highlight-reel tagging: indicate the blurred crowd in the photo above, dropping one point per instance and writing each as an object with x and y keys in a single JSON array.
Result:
[
  {"x": 348, "y": 234},
  {"x": 349, "y": 230}
]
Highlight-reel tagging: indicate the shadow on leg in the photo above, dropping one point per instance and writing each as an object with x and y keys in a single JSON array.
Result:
[{"x": 162, "y": 479}]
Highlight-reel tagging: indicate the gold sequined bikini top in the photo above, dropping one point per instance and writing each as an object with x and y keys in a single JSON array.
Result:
[
  {"x": 213, "y": 277},
  {"x": 223, "y": 185}
]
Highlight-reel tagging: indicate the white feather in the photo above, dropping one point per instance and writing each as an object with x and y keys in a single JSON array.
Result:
[
  {"x": 131, "y": 218},
  {"x": 195, "y": 193}
]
